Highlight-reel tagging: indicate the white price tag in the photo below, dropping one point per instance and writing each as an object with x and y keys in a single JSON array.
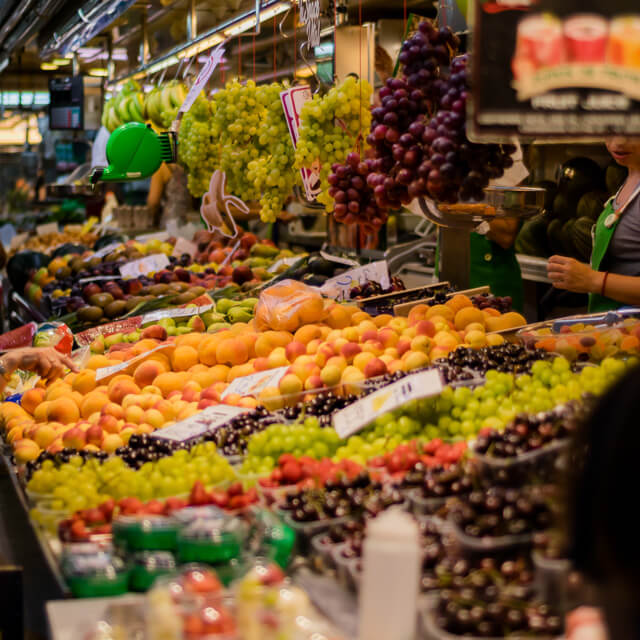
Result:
[
  {"x": 252, "y": 385},
  {"x": 101, "y": 253},
  {"x": 288, "y": 261},
  {"x": 182, "y": 312},
  {"x": 204, "y": 422},
  {"x": 107, "y": 372},
  {"x": 310, "y": 16},
  {"x": 44, "y": 229},
  {"x": 340, "y": 286},
  {"x": 346, "y": 261},
  {"x": 203, "y": 77},
  {"x": 184, "y": 246},
  {"x": 145, "y": 265},
  {"x": 18, "y": 240},
  {"x": 163, "y": 236},
  {"x": 96, "y": 279},
  {"x": 292, "y": 101},
  {"x": 359, "y": 414}
]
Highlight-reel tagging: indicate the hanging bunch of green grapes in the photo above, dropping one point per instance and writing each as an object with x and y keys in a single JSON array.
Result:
[
  {"x": 256, "y": 150},
  {"x": 198, "y": 148},
  {"x": 331, "y": 126}
]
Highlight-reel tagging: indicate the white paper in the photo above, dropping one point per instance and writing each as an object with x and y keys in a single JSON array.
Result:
[
  {"x": 339, "y": 287},
  {"x": 43, "y": 229},
  {"x": 199, "y": 424},
  {"x": 182, "y": 312},
  {"x": 101, "y": 253},
  {"x": 361, "y": 413},
  {"x": 143, "y": 266},
  {"x": 18, "y": 240},
  {"x": 252, "y": 385},
  {"x": 184, "y": 246},
  {"x": 163, "y": 236},
  {"x": 288, "y": 261}
]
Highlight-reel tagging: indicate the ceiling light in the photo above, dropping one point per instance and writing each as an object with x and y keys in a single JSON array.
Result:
[
  {"x": 161, "y": 64},
  {"x": 201, "y": 46},
  {"x": 48, "y": 66},
  {"x": 98, "y": 72},
  {"x": 61, "y": 61},
  {"x": 265, "y": 15}
]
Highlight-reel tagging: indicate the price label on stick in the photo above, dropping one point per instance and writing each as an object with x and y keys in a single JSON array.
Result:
[
  {"x": 198, "y": 425},
  {"x": 184, "y": 246},
  {"x": 44, "y": 229},
  {"x": 359, "y": 414},
  {"x": 203, "y": 77},
  {"x": 252, "y": 385},
  {"x": 145, "y": 265}
]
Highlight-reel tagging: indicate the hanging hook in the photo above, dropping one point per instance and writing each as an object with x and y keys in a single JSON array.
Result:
[
  {"x": 286, "y": 15},
  {"x": 186, "y": 71},
  {"x": 321, "y": 86},
  {"x": 179, "y": 67}
]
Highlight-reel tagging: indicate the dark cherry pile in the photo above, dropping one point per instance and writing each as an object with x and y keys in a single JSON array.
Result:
[
  {"x": 438, "y": 482},
  {"x": 441, "y": 296},
  {"x": 503, "y": 304},
  {"x": 142, "y": 448},
  {"x": 354, "y": 497},
  {"x": 386, "y": 304},
  {"x": 494, "y": 600},
  {"x": 232, "y": 438},
  {"x": 531, "y": 432},
  {"x": 323, "y": 406},
  {"x": 370, "y": 289},
  {"x": 550, "y": 544},
  {"x": 504, "y": 511},
  {"x": 507, "y": 357}
]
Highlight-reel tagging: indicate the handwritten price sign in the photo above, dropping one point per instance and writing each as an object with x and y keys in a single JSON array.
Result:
[{"x": 339, "y": 287}]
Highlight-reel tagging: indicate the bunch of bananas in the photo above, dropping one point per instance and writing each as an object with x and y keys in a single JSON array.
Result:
[
  {"x": 163, "y": 103},
  {"x": 159, "y": 107}
]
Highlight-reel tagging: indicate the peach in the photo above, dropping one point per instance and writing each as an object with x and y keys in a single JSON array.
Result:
[
  {"x": 421, "y": 343},
  {"x": 440, "y": 310},
  {"x": 146, "y": 372},
  {"x": 351, "y": 334},
  {"x": 359, "y": 316},
  {"x": 133, "y": 414},
  {"x": 392, "y": 352},
  {"x": 206, "y": 402},
  {"x": 280, "y": 338},
  {"x": 369, "y": 334},
  {"x": 295, "y": 349},
  {"x": 415, "y": 360},
  {"x": 205, "y": 378},
  {"x": 375, "y": 367},
  {"x": 334, "y": 334},
  {"x": 323, "y": 354},
  {"x": 312, "y": 346},
  {"x": 93, "y": 401},
  {"x": 404, "y": 344},
  {"x": 263, "y": 346},
  {"x": 331, "y": 374},
  {"x": 466, "y": 316},
  {"x": 440, "y": 352},
  {"x": 382, "y": 320},
  {"x": 184, "y": 357},
  {"x": 277, "y": 358},
  {"x": 305, "y": 369},
  {"x": 446, "y": 339},
  {"x": 14, "y": 434},
  {"x": 373, "y": 346},
  {"x": 207, "y": 349},
  {"x": 31, "y": 399},
  {"x": 25, "y": 451},
  {"x": 388, "y": 359},
  {"x": 241, "y": 370},
  {"x": 85, "y": 381},
  {"x": 417, "y": 313},
  {"x": 313, "y": 382},
  {"x": 111, "y": 442},
  {"x": 494, "y": 339},
  {"x": 232, "y": 399},
  {"x": 109, "y": 423},
  {"x": 459, "y": 301},
  {"x": 63, "y": 410},
  {"x": 474, "y": 326},
  {"x": 141, "y": 429},
  {"x": 307, "y": 333},
  {"x": 127, "y": 432},
  {"x": 98, "y": 361},
  {"x": 190, "y": 340},
  {"x": 337, "y": 361},
  {"x": 350, "y": 350},
  {"x": 220, "y": 372},
  {"x": 290, "y": 384},
  {"x": 94, "y": 435},
  {"x": 113, "y": 409},
  {"x": 232, "y": 351},
  {"x": 166, "y": 409},
  {"x": 476, "y": 339},
  {"x": 360, "y": 361},
  {"x": 122, "y": 388},
  {"x": 74, "y": 438},
  {"x": 58, "y": 391},
  {"x": 410, "y": 333},
  {"x": 398, "y": 324},
  {"x": 198, "y": 368},
  {"x": 425, "y": 328},
  {"x": 45, "y": 434},
  {"x": 56, "y": 446},
  {"x": 248, "y": 402}
]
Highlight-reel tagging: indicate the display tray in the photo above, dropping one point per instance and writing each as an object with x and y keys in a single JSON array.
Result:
[
  {"x": 404, "y": 308},
  {"x": 389, "y": 297}
]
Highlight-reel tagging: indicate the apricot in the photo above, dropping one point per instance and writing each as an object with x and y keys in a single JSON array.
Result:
[
  {"x": 63, "y": 410},
  {"x": 338, "y": 317},
  {"x": 112, "y": 409},
  {"x": 261, "y": 364},
  {"x": 307, "y": 333},
  {"x": 358, "y": 316},
  {"x": 171, "y": 381},
  {"x": 459, "y": 301},
  {"x": 40, "y": 414},
  {"x": 31, "y": 399},
  {"x": 25, "y": 451},
  {"x": 415, "y": 360},
  {"x": 466, "y": 316},
  {"x": 190, "y": 339},
  {"x": 154, "y": 418},
  {"x": 629, "y": 343},
  {"x": 133, "y": 414},
  {"x": 184, "y": 357},
  {"x": 382, "y": 320},
  {"x": 290, "y": 384},
  {"x": 98, "y": 361},
  {"x": 208, "y": 346},
  {"x": 440, "y": 310},
  {"x": 122, "y": 388},
  {"x": 513, "y": 319},
  {"x": 146, "y": 372},
  {"x": 418, "y": 313},
  {"x": 84, "y": 382},
  {"x": 58, "y": 391},
  {"x": 239, "y": 371},
  {"x": 205, "y": 377},
  {"x": 232, "y": 351}
]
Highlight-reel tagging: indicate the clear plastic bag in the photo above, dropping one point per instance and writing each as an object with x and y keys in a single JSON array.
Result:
[{"x": 287, "y": 305}]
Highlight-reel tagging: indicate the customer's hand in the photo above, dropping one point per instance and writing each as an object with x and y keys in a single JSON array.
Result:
[
  {"x": 572, "y": 275},
  {"x": 45, "y": 361},
  {"x": 585, "y": 623}
]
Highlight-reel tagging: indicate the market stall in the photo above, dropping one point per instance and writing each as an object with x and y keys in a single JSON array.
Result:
[{"x": 307, "y": 394}]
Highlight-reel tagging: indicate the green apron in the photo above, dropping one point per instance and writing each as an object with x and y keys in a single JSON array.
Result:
[
  {"x": 601, "y": 240},
  {"x": 492, "y": 265}
]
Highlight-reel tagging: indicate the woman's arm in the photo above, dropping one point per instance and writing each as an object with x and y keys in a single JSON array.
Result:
[
  {"x": 503, "y": 231},
  {"x": 570, "y": 274}
]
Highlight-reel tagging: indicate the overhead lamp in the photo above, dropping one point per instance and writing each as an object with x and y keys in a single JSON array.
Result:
[
  {"x": 98, "y": 72},
  {"x": 61, "y": 61},
  {"x": 161, "y": 64},
  {"x": 48, "y": 66},
  {"x": 201, "y": 46},
  {"x": 250, "y": 22}
]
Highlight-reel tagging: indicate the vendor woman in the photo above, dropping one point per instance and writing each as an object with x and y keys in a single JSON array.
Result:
[{"x": 612, "y": 279}]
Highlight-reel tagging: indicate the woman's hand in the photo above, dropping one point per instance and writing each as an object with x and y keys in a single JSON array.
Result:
[
  {"x": 570, "y": 274},
  {"x": 45, "y": 361}
]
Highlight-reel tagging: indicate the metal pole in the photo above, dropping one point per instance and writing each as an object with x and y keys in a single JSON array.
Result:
[
  {"x": 75, "y": 65},
  {"x": 111, "y": 69},
  {"x": 192, "y": 21},
  {"x": 144, "y": 43}
]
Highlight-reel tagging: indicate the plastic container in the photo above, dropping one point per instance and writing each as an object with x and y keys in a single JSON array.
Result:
[
  {"x": 187, "y": 515},
  {"x": 520, "y": 468},
  {"x": 343, "y": 566},
  {"x": 391, "y": 556},
  {"x": 271, "y": 495},
  {"x": 551, "y": 579},
  {"x": 91, "y": 572},
  {"x": 306, "y": 530},
  {"x": 276, "y": 539},
  {"x": 322, "y": 553},
  {"x": 146, "y": 566},
  {"x": 145, "y": 533},
  {"x": 424, "y": 506},
  {"x": 486, "y": 544},
  {"x": 47, "y": 516}
]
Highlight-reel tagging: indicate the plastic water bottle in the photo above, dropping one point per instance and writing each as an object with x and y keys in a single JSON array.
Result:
[{"x": 390, "y": 578}]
